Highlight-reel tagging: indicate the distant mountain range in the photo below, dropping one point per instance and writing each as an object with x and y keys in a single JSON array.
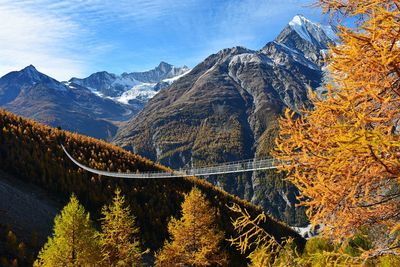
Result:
[
  {"x": 226, "y": 109},
  {"x": 94, "y": 106},
  {"x": 131, "y": 87}
]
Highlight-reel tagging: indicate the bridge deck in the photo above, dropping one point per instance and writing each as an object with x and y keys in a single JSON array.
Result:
[{"x": 223, "y": 168}]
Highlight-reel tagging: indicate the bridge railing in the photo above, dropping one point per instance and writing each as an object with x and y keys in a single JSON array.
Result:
[{"x": 223, "y": 168}]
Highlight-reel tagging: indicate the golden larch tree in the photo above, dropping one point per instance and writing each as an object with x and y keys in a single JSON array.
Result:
[
  {"x": 119, "y": 238},
  {"x": 74, "y": 241},
  {"x": 344, "y": 153},
  {"x": 195, "y": 238}
]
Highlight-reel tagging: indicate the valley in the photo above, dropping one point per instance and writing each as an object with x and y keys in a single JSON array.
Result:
[
  {"x": 273, "y": 141},
  {"x": 33, "y": 152}
]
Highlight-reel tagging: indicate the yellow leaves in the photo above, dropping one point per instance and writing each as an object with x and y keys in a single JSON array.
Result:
[
  {"x": 251, "y": 232},
  {"x": 395, "y": 229},
  {"x": 346, "y": 149},
  {"x": 119, "y": 240},
  {"x": 74, "y": 241},
  {"x": 195, "y": 239},
  {"x": 265, "y": 249}
]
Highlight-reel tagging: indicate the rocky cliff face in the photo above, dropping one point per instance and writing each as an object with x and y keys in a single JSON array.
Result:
[{"x": 226, "y": 109}]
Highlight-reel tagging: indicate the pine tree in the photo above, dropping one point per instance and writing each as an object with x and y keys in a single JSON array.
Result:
[
  {"x": 119, "y": 237},
  {"x": 11, "y": 241},
  {"x": 195, "y": 239},
  {"x": 74, "y": 241}
]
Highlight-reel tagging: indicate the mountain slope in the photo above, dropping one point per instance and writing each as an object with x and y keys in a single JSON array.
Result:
[
  {"x": 226, "y": 109},
  {"x": 26, "y": 207},
  {"x": 38, "y": 96},
  {"x": 32, "y": 152},
  {"x": 94, "y": 106}
]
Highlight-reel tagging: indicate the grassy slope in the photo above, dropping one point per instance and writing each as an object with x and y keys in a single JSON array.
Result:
[{"x": 32, "y": 151}]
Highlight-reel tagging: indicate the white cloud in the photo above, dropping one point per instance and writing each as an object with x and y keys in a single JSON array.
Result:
[
  {"x": 35, "y": 37},
  {"x": 107, "y": 11}
]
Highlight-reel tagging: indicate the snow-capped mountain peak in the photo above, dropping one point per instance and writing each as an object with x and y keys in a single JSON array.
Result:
[
  {"x": 144, "y": 91},
  {"x": 312, "y": 32},
  {"x": 134, "y": 86},
  {"x": 299, "y": 20},
  {"x": 141, "y": 92},
  {"x": 299, "y": 24},
  {"x": 309, "y": 39}
]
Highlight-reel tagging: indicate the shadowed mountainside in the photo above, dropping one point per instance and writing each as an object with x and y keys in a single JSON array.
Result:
[{"x": 32, "y": 152}]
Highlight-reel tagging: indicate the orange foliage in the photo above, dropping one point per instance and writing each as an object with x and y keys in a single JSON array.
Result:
[
  {"x": 195, "y": 238},
  {"x": 344, "y": 154}
]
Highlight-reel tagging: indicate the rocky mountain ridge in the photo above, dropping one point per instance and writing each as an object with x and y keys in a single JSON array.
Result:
[
  {"x": 76, "y": 105},
  {"x": 31, "y": 93}
]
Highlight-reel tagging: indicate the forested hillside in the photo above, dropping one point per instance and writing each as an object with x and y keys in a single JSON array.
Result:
[{"x": 32, "y": 152}]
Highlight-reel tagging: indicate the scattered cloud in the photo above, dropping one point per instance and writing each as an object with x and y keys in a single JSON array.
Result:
[
  {"x": 96, "y": 11},
  {"x": 59, "y": 37}
]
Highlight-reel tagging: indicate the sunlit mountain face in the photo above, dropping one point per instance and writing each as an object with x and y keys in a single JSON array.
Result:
[{"x": 226, "y": 109}]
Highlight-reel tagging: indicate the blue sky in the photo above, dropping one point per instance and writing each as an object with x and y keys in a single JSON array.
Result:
[{"x": 78, "y": 37}]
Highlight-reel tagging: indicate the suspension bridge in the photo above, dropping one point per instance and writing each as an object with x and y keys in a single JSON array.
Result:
[{"x": 223, "y": 168}]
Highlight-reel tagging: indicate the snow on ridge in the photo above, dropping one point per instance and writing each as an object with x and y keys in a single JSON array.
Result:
[
  {"x": 296, "y": 55},
  {"x": 142, "y": 92},
  {"x": 287, "y": 48},
  {"x": 126, "y": 81},
  {"x": 99, "y": 94},
  {"x": 173, "y": 79},
  {"x": 309, "y": 30},
  {"x": 124, "y": 87},
  {"x": 298, "y": 23}
]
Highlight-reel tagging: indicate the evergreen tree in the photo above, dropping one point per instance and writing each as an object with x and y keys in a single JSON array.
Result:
[
  {"x": 74, "y": 241},
  {"x": 195, "y": 239},
  {"x": 119, "y": 237},
  {"x": 11, "y": 241}
]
